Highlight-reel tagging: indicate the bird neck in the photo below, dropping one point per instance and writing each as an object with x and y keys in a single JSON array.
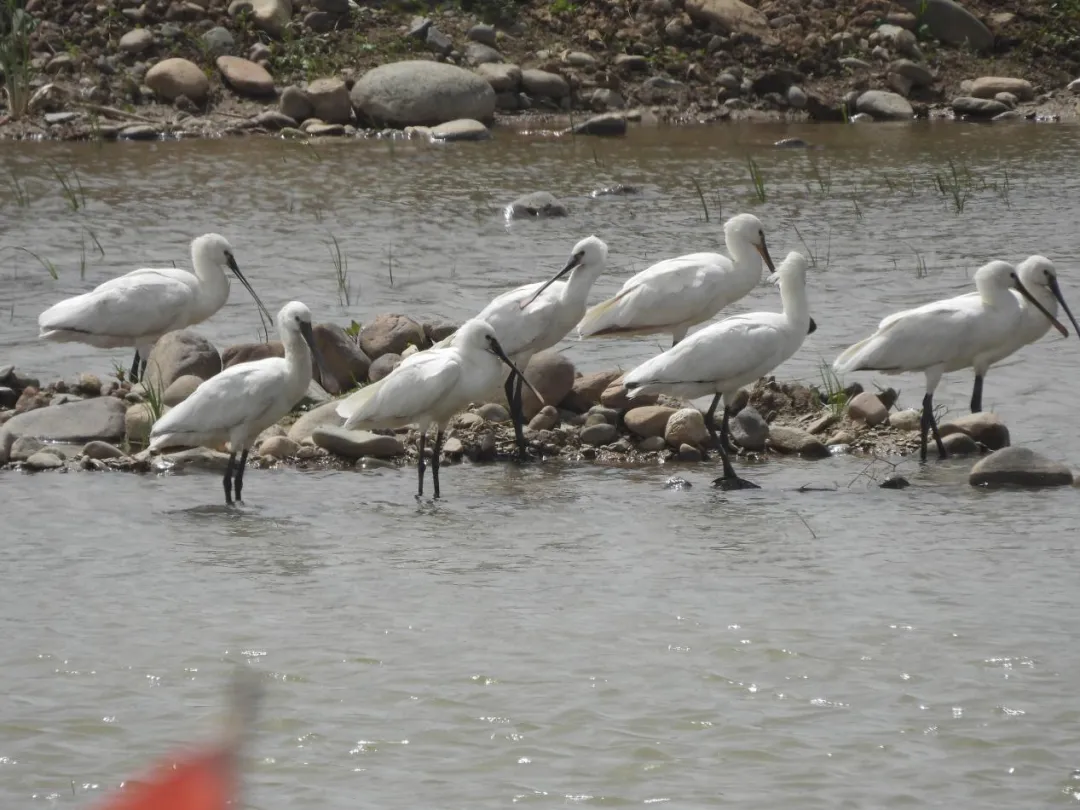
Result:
[
  {"x": 580, "y": 282},
  {"x": 297, "y": 355},
  {"x": 796, "y": 305},
  {"x": 1041, "y": 294},
  {"x": 744, "y": 257},
  {"x": 213, "y": 289},
  {"x": 994, "y": 295}
]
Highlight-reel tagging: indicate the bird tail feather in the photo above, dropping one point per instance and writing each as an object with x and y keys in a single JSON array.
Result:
[{"x": 594, "y": 321}]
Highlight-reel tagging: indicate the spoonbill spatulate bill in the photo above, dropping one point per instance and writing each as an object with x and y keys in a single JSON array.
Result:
[
  {"x": 242, "y": 401},
  {"x": 722, "y": 357},
  {"x": 946, "y": 335},
  {"x": 1039, "y": 276},
  {"x": 676, "y": 294},
  {"x": 139, "y": 307},
  {"x": 535, "y": 317},
  {"x": 429, "y": 387}
]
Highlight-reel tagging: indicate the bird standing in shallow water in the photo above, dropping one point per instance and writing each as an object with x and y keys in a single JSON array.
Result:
[
  {"x": 139, "y": 307},
  {"x": 676, "y": 294},
  {"x": 430, "y": 387},
  {"x": 1038, "y": 275},
  {"x": 242, "y": 401},
  {"x": 724, "y": 356},
  {"x": 946, "y": 335},
  {"x": 534, "y": 317}
]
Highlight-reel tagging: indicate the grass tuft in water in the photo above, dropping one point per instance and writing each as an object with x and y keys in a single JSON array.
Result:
[
  {"x": 48, "y": 265},
  {"x": 813, "y": 256},
  {"x": 701, "y": 197},
  {"x": 341, "y": 272},
  {"x": 17, "y": 191},
  {"x": 757, "y": 179},
  {"x": 70, "y": 186}
]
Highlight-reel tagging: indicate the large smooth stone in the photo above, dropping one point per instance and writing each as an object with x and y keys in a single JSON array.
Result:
[
  {"x": 1019, "y": 466},
  {"x": 420, "y": 93}
]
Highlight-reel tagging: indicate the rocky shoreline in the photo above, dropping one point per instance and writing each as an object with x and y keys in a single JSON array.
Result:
[
  {"x": 152, "y": 69},
  {"x": 85, "y": 423}
]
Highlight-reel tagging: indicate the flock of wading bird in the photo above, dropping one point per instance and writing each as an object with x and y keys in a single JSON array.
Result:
[{"x": 1010, "y": 308}]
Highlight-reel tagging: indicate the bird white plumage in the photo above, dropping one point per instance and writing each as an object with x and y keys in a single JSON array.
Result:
[
  {"x": 675, "y": 294},
  {"x": 722, "y": 357},
  {"x": 943, "y": 336},
  {"x": 534, "y": 317},
  {"x": 429, "y": 387},
  {"x": 236, "y": 405},
  {"x": 139, "y": 307},
  {"x": 1039, "y": 276}
]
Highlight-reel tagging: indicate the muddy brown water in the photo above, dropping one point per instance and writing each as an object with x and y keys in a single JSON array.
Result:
[{"x": 556, "y": 634}]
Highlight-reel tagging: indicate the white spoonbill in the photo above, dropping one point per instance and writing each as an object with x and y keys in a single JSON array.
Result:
[
  {"x": 724, "y": 356},
  {"x": 1038, "y": 275},
  {"x": 946, "y": 335},
  {"x": 139, "y": 307},
  {"x": 675, "y": 294},
  {"x": 430, "y": 387},
  {"x": 244, "y": 400},
  {"x": 536, "y": 316}
]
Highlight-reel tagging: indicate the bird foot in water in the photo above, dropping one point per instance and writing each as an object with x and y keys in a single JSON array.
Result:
[{"x": 728, "y": 484}]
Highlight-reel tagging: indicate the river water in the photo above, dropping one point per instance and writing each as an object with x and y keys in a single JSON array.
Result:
[{"x": 553, "y": 635}]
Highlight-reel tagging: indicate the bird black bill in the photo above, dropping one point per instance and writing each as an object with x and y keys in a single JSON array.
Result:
[
  {"x": 264, "y": 314},
  {"x": 763, "y": 249},
  {"x": 575, "y": 260},
  {"x": 309, "y": 339},
  {"x": 497, "y": 349},
  {"x": 1056, "y": 323},
  {"x": 1056, "y": 290}
]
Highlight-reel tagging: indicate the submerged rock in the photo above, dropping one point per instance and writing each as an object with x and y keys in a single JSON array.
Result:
[
  {"x": 537, "y": 204},
  {"x": 357, "y": 443},
  {"x": 984, "y": 427},
  {"x": 749, "y": 429},
  {"x": 795, "y": 440},
  {"x": 1019, "y": 466}
]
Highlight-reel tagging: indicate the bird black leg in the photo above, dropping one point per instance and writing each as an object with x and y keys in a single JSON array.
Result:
[
  {"x": 928, "y": 424},
  {"x": 420, "y": 466},
  {"x": 238, "y": 476},
  {"x": 436, "y": 451},
  {"x": 135, "y": 376},
  {"x": 710, "y": 424},
  {"x": 729, "y": 480},
  {"x": 228, "y": 478},
  {"x": 518, "y": 415},
  {"x": 725, "y": 431},
  {"x": 976, "y": 394}
]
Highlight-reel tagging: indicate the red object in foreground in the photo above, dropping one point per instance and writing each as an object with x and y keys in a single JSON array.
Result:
[{"x": 201, "y": 781}]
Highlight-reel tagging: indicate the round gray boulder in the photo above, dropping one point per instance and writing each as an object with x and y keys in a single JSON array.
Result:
[{"x": 420, "y": 93}]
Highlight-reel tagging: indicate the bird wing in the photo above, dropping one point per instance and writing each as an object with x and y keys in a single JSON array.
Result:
[
  {"x": 919, "y": 338},
  {"x": 411, "y": 390},
  {"x": 519, "y": 329},
  {"x": 141, "y": 303},
  {"x": 727, "y": 350},
  {"x": 240, "y": 394},
  {"x": 674, "y": 291}
]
